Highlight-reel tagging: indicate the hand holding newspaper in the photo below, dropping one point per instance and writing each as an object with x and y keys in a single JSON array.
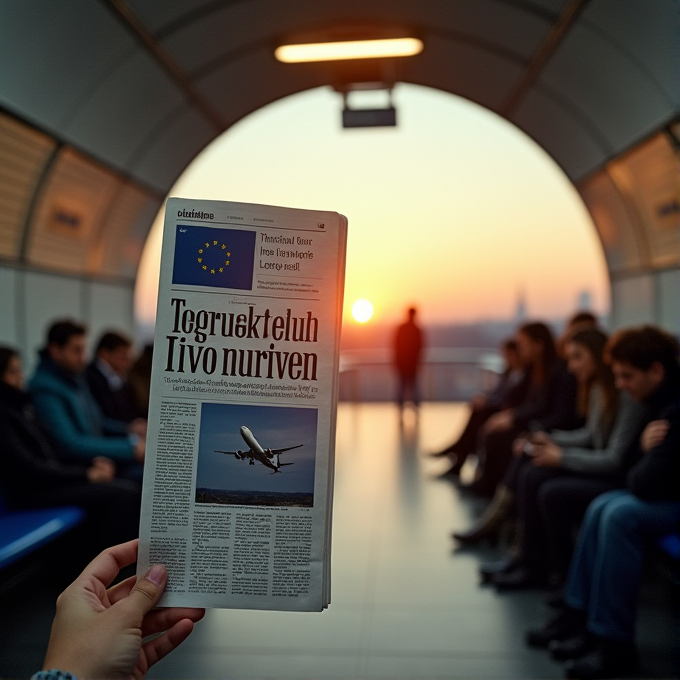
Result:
[{"x": 238, "y": 478}]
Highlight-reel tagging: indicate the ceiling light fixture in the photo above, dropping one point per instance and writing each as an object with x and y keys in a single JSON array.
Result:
[{"x": 351, "y": 49}]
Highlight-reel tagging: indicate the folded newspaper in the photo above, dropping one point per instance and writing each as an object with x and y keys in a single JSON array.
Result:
[{"x": 238, "y": 477}]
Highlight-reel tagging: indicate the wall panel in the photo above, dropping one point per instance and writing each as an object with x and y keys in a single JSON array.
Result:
[
  {"x": 45, "y": 298},
  {"x": 633, "y": 301},
  {"x": 8, "y": 321},
  {"x": 109, "y": 307},
  {"x": 668, "y": 300},
  {"x": 23, "y": 153},
  {"x": 69, "y": 212}
]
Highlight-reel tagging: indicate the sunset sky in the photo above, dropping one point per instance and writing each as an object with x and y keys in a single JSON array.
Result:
[{"x": 455, "y": 210}]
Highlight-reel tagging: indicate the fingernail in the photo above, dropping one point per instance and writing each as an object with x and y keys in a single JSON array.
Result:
[{"x": 155, "y": 574}]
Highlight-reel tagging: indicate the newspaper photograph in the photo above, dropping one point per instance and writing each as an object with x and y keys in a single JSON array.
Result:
[{"x": 238, "y": 478}]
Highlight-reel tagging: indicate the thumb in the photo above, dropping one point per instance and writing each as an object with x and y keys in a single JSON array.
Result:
[{"x": 147, "y": 591}]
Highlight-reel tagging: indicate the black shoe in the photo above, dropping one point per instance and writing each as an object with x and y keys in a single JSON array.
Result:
[
  {"x": 573, "y": 647},
  {"x": 564, "y": 625},
  {"x": 608, "y": 659},
  {"x": 555, "y": 599},
  {"x": 476, "y": 536},
  {"x": 490, "y": 569},
  {"x": 520, "y": 578}
]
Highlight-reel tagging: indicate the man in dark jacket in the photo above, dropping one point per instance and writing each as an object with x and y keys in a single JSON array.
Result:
[
  {"x": 595, "y": 633},
  {"x": 408, "y": 349},
  {"x": 106, "y": 376}
]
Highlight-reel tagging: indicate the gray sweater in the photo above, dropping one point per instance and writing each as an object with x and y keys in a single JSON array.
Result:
[{"x": 599, "y": 450}]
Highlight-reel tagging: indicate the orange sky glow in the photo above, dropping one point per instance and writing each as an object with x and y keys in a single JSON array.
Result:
[{"x": 454, "y": 211}]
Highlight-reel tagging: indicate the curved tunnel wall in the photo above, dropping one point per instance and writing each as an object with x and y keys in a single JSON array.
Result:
[{"x": 106, "y": 103}]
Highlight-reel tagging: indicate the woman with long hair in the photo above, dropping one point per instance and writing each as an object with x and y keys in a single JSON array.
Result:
[
  {"x": 549, "y": 402},
  {"x": 508, "y": 392}
]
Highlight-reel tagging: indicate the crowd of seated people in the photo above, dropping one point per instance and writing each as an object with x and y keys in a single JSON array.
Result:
[
  {"x": 75, "y": 436},
  {"x": 586, "y": 498}
]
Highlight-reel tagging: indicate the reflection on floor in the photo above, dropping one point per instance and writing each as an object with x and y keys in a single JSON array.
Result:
[{"x": 404, "y": 604}]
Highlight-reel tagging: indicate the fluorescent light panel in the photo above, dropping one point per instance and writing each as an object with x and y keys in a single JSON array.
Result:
[{"x": 351, "y": 49}]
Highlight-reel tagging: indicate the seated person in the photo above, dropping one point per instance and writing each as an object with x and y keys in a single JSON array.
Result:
[
  {"x": 107, "y": 375},
  {"x": 507, "y": 393},
  {"x": 139, "y": 382},
  {"x": 577, "y": 322},
  {"x": 63, "y": 402},
  {"x": 595, "y": 632},
  {"x": 549, "y": 402},
  {"x": 33, "y": 477}
]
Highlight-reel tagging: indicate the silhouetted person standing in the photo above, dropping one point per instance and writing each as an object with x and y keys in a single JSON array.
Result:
[{"x": 408, "y": 346}]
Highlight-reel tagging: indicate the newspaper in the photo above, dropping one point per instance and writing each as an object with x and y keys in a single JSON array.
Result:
[{"x": 238, "y": 476}]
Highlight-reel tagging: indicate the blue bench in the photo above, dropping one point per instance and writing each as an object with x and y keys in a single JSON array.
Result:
[
  {"x": 670, "y": 545},
  {"x": 23, "y": 531}
]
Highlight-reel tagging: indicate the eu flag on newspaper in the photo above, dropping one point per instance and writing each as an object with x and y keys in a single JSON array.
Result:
[{"x": 222, "y": 258}]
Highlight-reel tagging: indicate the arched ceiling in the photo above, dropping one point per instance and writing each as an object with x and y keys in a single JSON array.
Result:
[{"x": 118, "y": 96}]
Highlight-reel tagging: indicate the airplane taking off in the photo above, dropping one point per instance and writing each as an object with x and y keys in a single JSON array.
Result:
[{"x": 268, "y": 457}]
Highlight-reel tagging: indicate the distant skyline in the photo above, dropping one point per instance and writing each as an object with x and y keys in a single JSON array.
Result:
[{"x": 454, "y": 211}]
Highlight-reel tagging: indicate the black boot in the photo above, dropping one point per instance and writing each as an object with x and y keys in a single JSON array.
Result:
[
  {"x": 489, "y": 524},
  {"x": 566, "y": 624},
  {"x": 521, "y": 577},
  {"x": 490, "y": 569},
  {"x": 573, "y": 647},
  {"x": 607, "y": 659}
]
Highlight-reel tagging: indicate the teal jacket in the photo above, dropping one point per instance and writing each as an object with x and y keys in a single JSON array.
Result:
[{"x": 64, "y": 403}]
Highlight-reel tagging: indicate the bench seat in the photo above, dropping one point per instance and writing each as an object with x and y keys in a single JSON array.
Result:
[{"x": 22, "y": 532}]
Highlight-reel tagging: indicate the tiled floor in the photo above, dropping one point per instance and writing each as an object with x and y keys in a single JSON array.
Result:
[{"x": 404, "y": 604}]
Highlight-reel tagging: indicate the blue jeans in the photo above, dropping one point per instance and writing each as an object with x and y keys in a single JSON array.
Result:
[{"x": 606, "y": 570}]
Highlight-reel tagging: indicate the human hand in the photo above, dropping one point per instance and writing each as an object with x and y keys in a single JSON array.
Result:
[
  {"x": 139, "y": 451},
  {"x": 503, "y": 420},
  {"x": 546, "y": 453},
  {"x": 139, "y": 427},
  {"x": 653, "y": 434},
  {"x": 99, "y": 634},
  {"x": 101, "y": 470}
]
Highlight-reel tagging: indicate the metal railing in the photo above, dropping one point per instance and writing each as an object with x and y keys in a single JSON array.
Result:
[{"x": 447, "y": 374}]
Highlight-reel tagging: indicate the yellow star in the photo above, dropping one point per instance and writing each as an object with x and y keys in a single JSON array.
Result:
[
  {"x": 221, "y": 269},
  {"x": 214, "y": 243},
  {"x": 207, "y": 245},
  {"x": 224, "y": 247},
  {"x": 228, "y": 254},
  {"x": 204, "y": 267},
  {"x": 226, "y": 262},
  {"x": 212, "y": 271},
  {"x": 200, "y": 259}
]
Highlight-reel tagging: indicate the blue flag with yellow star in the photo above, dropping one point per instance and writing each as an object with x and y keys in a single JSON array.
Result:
[{"x": 222, "y": 258}]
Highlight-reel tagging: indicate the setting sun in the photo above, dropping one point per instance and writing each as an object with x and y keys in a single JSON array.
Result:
[{"x": 362, "y": 311}]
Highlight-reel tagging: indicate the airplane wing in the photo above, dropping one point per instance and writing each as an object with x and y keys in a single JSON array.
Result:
[
  {"x": 287, "y": 449},
  {"x": 229, "y": 453}
]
